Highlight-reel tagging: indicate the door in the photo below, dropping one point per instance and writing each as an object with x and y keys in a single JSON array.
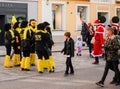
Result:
[
  {"x": 57, "y": 16},
  {"x": 2, "y": 23}
]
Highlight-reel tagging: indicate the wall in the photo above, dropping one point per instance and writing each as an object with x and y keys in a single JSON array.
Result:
[
  {"x": 70, "y": 12},
  {"x": 33, "y": 10}
]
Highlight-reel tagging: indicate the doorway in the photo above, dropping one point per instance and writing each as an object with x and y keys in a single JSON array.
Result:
[
  {"x": 57, "y": 16},
  {"x": 2, "y": 23}
]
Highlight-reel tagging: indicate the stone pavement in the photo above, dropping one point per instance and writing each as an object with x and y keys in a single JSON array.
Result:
[{"x": 85, "y": 76}]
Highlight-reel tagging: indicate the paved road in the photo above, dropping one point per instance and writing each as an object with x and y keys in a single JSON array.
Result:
[{"x": 85, "y": 76}]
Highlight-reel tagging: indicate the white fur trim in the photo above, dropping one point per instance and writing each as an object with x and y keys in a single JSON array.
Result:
[
  {"x": 99, "y": 32},
  {"x": 96, "y": 55}
]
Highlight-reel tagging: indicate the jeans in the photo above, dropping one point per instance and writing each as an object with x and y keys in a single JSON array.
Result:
[
  {"x": 69, "y": 65},
  {"x": 108, "y": 65}
]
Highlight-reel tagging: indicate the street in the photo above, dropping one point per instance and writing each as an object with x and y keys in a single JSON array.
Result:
[{"x": 85, "y": 77}]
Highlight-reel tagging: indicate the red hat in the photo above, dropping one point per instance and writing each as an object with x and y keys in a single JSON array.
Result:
[{"x": 96, "y": 22}]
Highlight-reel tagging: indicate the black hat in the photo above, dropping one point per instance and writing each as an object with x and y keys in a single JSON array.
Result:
[
  {"x": 24, "y": 24},
  {"x": 46, "y": 23},
  {"x": 7, "y": 27},
  {"x": 40, "y": 26},
  {"x": 16, "y": 25},
  {"x": 102, "y": 19}
]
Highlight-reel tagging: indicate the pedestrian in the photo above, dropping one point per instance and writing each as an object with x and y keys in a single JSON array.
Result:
[
  {"x": 114, "y": 81},
  {"x": 16, "y": 45},
  {"x": 33, "y": 27},
  {"x": 111, "y": 56},
  {"x": 90, "y": 35},
  {"x": 98, "y": 42},
  {"x": 68, "y": 50},
  {"x": 79, "y": 46},
  {"x": 25, "y": 35},
  {"x": 84, "y": 32},
  {"x": 41, "y": 47},
  {"x": 9, "y": 40}
]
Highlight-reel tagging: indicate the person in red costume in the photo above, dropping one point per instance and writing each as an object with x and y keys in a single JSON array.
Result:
[{"x": 98, "y": 41}]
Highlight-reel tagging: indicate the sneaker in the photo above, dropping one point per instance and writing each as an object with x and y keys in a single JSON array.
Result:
[
  {"x": 113, "y": 82},
  {"x": 95, "y": 62},
  {"x": 100, "y": 84},
  {"x": 72, "y": 73},
  {"x": 118, "y": 83},
  {"x": 66, "y": 74}
]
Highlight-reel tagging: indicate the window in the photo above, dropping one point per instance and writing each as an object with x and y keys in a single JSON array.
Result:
[{"x": 82, "y": 14}]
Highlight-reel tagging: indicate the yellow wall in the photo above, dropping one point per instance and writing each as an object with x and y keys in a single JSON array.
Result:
[
  {"x": 39, "y": 10},
  {"x": 71, "y": 12}
]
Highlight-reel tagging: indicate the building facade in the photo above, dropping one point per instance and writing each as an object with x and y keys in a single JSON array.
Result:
[
  {"x": 22, "y": 9},
  {"x": 65, "y": 15}
]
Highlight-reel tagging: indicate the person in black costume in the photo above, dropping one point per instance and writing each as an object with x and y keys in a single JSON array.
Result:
[
  {"x": 9, "y": 40},
  {"x": 41, "y": 47}
]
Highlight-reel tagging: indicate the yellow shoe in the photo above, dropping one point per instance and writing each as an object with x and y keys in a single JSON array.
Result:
[
  {"x": 49, "y": 67},
  {"x": 18, "y": 59},
  {"x": 27, "y": 63},
  {"x": 23, "y": 63},
  {"x": 52, "y": 61},
  {"x": 33, "y": 59},
  {"x": 40, "y": 66},
  {"x": 7, "y": 62},
  {"x": 14, "y": 60},
  {"x": 44, "y": 63}
]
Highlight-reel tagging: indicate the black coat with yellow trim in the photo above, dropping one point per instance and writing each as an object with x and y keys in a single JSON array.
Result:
[
  {"x": 41, "y": 39},
  {"x": 25, "y": 36}
]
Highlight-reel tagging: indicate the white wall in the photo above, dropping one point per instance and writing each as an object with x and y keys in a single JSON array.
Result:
[
  {"x": 46, "y": 12},
  {"x": 32, "y": 10}
]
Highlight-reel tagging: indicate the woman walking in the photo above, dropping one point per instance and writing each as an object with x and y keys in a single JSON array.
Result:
[{"x": 111, "y": 56}]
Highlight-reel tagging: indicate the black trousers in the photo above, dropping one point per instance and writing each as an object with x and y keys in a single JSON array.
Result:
[
  {"x": 108, "y": 65},
  {"x": 90, "y": 48},
  {"x": 16, "y": 50},
  {"x": 97, "y": 59},
  {"x": 69, "y": 65},
  {"x": 32, "y": 48},
  {"x": 42, "y": 53},
  {"x": 26, "y": 53},
  {"x": 115, "y": 76},
  {"x": 8, "y": 49}
]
